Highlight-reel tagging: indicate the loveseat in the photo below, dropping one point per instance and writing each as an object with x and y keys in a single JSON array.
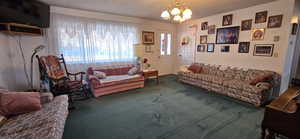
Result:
[
  {"x": 47, "y": 123},
  {"x": 117, "y": 80},
  {"x": 238, "y": 83}
]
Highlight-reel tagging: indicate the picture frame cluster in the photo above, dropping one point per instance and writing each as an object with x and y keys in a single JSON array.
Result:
[{"x": 229, "y": 34}]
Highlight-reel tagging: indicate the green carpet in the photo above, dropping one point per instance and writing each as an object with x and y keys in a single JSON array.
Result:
[{"x": 171, "y": 110}]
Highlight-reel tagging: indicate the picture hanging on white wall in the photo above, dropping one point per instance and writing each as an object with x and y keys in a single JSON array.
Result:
[
  {"x": 211, "y": 29},
  {"x": 263, "y": 50},
  {"x": 210, "y": 47},
  {"x": 201, "y": 48},
  {"x": 203, "y": 39},
  {"x": 244, "y": 47},
  {"x": 246, "y": 25},
  {"x": 261, "y": 17},
  {"x": 227, "y": 20},
  {"x": 204, "y": 25},
  {"x": 225, "y": 48},
  {"x": 275, "y": 21},
  {"x": 258, "y": 34}
]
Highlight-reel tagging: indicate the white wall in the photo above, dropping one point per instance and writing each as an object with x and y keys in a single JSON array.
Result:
[
  {"x": 30, "y": 42},
  {"x": 233, "y": 58},
  {"x": 7, "y": 74}
]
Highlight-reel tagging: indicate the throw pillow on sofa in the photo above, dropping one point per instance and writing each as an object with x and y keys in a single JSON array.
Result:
[
  {"x": 14, "y": 103},
  {"x": 100, "y": 75},
  {"x": 261, "y": 78},
  {"x": 195, "y": 68},
  {"x": 133, "y": 71}
]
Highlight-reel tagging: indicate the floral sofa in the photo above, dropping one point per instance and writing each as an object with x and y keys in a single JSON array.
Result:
[
  {"x": 117, "y": 80},
  {"x": 233, "y": 82},
  {"x": 47, "y": 123}
]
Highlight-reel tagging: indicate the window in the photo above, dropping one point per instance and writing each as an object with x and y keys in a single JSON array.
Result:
[
  {"x": 165, "y": 44},
  {"x": 88, "y": 41}
]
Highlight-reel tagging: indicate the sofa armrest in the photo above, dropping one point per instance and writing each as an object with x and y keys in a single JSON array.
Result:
[
  {"x": 94, "y": 81},
  {"x": 264, "y": 85},
  {"x": 46, "y": 97},
  {"x": 184, "y": 68}
]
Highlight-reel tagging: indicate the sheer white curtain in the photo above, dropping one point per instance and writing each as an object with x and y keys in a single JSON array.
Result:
[{"x": 89, "y": 42}]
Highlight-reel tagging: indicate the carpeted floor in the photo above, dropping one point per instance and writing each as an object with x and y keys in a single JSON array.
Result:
[{"x": 171, "y": 110}]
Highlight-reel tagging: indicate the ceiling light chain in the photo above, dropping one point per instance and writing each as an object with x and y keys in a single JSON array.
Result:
[{"x": 178, "y": 13}]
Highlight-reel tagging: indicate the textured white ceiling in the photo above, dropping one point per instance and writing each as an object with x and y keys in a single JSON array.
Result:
[{"x": 151, "y": 9}]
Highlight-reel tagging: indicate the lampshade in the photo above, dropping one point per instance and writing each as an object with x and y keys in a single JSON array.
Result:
[
  {"x": 186, "y": 17},
  {"x": 177, "y": 18},
  {"x": 187, "y": 12},
  {"x": 165, "y": 15},
  {"x": 139, "y": 50},
  {"x": 175, "y": 11}
]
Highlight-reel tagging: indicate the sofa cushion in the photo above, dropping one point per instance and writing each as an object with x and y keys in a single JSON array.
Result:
[
  {"x": 261, "y": 78},
  {"x": 119, "y": 79},
  {"x": 47, "y": 123},
  {"x": 195, "y": 68},
  {"x": 211, "y": 78},
  {"x": 13, "y": 103},
  {"x": 100, "y": 74}
]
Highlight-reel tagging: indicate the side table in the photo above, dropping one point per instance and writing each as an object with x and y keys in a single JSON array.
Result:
[{"x": 151, "y": 73}]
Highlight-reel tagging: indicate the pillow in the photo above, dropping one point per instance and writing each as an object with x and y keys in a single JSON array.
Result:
[
  {"x": 100, "y": 74},
  {"x": 195, "y": 68},
  {"x": 261, "y": 78},
  {"x": 14, "y": 103},
  {"x": 133, "y": 71},
  {"x": 2, "y": 120},
  {"x": 3, "y": 90}
]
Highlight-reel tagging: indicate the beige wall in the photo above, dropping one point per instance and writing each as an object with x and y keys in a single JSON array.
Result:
[{"x": 233, "y": 58}]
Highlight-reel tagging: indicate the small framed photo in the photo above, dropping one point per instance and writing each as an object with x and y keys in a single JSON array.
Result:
[
  {"x": 203, "y": 39},
  {"x": 275, "y": 21},
  {"x": 246, "y": 25},
  {"x": 204, "y": 25},
  {"x": 225, "y": 49},
  {"x": 210, "y": 47},
  {"x": 258, "y": 34},
  {"x": 244, "y": 47},
  {"x": 148, "y": 38},
  {"x": 212, "y": 29},
  {"x": 261, "y": 17},
  {"x": 201, "y": 48},
  {"x": 227, "y": 20},
  {"x": 263, "y": 50}
]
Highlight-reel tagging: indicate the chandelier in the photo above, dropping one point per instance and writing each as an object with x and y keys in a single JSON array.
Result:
[{"x": 177, "y": 13}]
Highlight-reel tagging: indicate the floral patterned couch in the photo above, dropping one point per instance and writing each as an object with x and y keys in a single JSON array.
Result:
[
  {"x": 233, "y": 82},
  {"x": 47, "y": 123}
]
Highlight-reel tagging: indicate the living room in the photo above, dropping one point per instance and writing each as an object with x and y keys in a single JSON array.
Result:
[{"x": 149, "y": 69}]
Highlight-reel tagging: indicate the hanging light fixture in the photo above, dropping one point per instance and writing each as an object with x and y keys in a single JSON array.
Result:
[{"x": 177, "y": 13}]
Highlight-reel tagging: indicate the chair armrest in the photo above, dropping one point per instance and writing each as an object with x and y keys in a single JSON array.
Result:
[{"x": 76, "y": 74}]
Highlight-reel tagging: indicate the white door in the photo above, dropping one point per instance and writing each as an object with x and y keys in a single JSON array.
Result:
[
  {"x": 186, "y": 51},
  {"x": 166, "y": 55}
]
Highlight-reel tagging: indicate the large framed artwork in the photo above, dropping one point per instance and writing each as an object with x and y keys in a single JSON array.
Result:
[
  {"x": 275, "y": 21},
  {"x": 148, "y": 37},
  {"x": 263, "y": 50},
  {"x": 228, "y": 35},
  {"x": 261, "y": 17}
]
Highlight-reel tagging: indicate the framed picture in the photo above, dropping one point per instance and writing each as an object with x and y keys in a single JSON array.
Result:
[
  {"x": 228, "y": 35},
  {"x": 263, "y": 50},
  {"x": 258, "y": 34},
  {"x": 275, "y": 21},
  {"x": 261, "y": 17},
  {"x": 148, "y": 49},
  {"x": 246, "y": 25},
  {"x": 244, "y": 47},
  {"x": 201, "y": 48},
  {"x": 148, "y": 37},
  {"x": 203, "y": 39},
  {"x": 227, "y": 20},
  {"x": 204, "y": 25},
  {"x": 225, "y": 48},
  {"x": 210, "y": 47},
  {"x": 212, "y": 29}
]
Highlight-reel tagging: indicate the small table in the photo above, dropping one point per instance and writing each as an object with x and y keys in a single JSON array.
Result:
[{"x": 151, "y": 73}]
